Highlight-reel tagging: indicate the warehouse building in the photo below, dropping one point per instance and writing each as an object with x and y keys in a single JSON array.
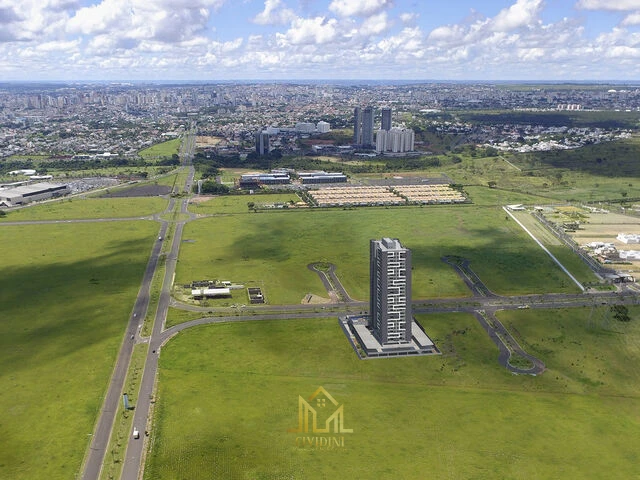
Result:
[
  {"x": 322, "y": 177},
  {"x": 24, "y": 194}
]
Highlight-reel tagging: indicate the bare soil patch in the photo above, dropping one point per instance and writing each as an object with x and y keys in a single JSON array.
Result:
[{"x": 148, "y": 190}]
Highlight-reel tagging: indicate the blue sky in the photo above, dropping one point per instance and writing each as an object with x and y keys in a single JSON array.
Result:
[{"x": 320, "y": 39}]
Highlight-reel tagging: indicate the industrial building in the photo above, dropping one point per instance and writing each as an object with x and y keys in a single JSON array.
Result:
[
  {"x": 256, "y": 180},
  {"x": 24, "y": 194},
  {"x": 322, "y": 177}
]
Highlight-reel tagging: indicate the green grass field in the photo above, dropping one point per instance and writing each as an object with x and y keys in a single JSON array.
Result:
[
  {"x": 83, "y": 208},
  {"x": 66, "y": 294},
  {"x": 238, "y": 203},
  {"x": 273, "y": 249},
  {"x": 160, "y": 150},
  {"x": 224, "y": 412}
]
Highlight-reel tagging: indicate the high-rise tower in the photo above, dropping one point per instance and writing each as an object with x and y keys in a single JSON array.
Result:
[
  {"x": 390, "y": 299},
  {"x": 262, "y": 143},
  {"x": 386, "y": 119},
  {"x": 357, "y": 126},
  {"x": 367, "y": 127}
]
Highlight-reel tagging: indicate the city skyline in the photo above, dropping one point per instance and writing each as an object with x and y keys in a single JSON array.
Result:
[{"x": 136, "y": 40}]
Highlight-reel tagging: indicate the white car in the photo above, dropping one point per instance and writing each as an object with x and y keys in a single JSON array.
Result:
[{"x": 136, "y": 433}]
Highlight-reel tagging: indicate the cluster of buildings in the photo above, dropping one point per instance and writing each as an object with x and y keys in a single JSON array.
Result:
[
  {"x": 387, "y": 137},
  {"x": 254, "y": 181}
]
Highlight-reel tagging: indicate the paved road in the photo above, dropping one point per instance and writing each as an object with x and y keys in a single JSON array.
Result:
[
  {"x": 102, "y": 432},
  {"x": 508, "y": 347},
  {"x": 134, "y": 457},
  {"x": 331, "y": 282}
]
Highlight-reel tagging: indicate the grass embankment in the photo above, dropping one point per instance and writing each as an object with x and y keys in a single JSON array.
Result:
[
  {"x": 224, "y": 412},
  {"x": 66, "y": 294}
]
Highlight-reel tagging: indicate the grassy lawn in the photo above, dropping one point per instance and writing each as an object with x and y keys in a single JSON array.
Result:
[
  {"x": 66, "y": 294},
  {"x": 224, "y": 412},
  {"x": 238, "y": 203},
  {"x": 585, "y": 349},
  {"x": 82, "y": 208},
  {"x": 160, "y": 150},
  {"x": 272, "y": 250}
]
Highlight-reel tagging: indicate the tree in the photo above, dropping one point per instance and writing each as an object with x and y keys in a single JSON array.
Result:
[{"x": 214, "y": 188}]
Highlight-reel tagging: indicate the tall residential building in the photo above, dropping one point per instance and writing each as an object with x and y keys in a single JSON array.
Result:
[
  {"x": 390, "y": 284},
  {"x": 396, "y": 140},
  {"x": 367, "y": 126},
  {"x": 262, "y": 143},
  {"x": 357, "y": 126},
  {"x": 386, "y": 119}
]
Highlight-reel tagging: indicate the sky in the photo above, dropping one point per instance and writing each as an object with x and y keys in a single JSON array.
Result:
[{"x": 208, "y": 40}]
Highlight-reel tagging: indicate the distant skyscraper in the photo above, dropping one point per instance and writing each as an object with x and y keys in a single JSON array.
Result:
[
  {"x": 357, "y": 126},
  {"x": 367, "y": 126},
  {"x": 262, "y": 143},
  {"x": 390, "y": 284},
  {"x": 386, "y": 119}
]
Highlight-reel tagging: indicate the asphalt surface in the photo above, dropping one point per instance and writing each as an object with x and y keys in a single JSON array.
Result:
[
  {"x": 100, "y": 439},
  {"x": 134, "y": 456}
]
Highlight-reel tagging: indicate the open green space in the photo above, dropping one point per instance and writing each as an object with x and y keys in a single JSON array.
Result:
[
  {"x": 85, "y": 207},
  {"x": 224, "y": 412},
  {"x": 66, "y": 292},
  {"x": 585, "y": 349},
  {"x": 272, "y": 250},
  {"x": 590, "y": 119},
  {"x": 239, "y": 203},
  {"x": 161, "y": 150}
]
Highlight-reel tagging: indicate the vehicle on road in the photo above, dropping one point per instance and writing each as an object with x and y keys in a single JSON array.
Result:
[{"x": 136, "y": 433}]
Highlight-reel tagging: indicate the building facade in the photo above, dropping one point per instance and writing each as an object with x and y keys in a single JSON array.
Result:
[
  {"x": 363, "y": 126},
  {"x": 386, "y": 119},
  {"x": 357, "y": 126},
  {"x": 262, "y": 143},
  {"x": 367, "y": 126},
  {"x": 390, "y": 291},
  {"x": 396, "y": 140}
]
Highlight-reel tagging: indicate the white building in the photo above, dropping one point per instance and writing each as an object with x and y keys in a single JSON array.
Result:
[
  {"x": 628, "y": 238},
  {"x": 11, "y": 197},
  {"x": 323, "y": 127},
  {"x": 396, "y": 140}
]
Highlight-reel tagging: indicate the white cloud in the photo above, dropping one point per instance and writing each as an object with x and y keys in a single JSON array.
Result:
[
  {"x": 362, "y": 8},
  {"x": 520, "y": 14},
  {"x": 408, "y": 17},
  {"x": 619, "y": 5},
  {"x": 374, "y": 25},
  {"x": 317, "y": 30},
  {"x": 273, "y": 14},
  {"x": 631, "y": 19},
  {"x": 161, "y": 20}
]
